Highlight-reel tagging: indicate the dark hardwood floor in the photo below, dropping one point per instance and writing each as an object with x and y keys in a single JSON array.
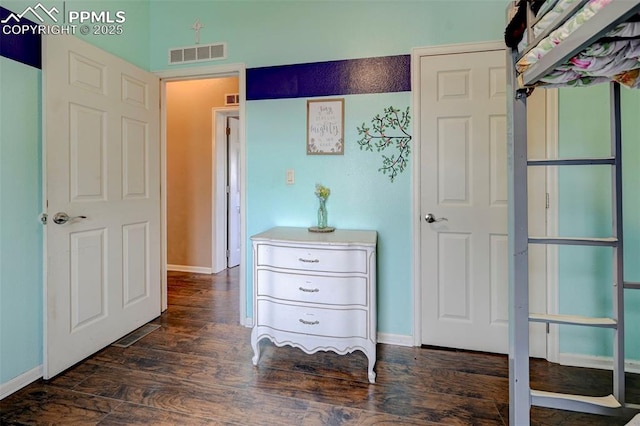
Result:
[{"x": 196, "y": 369}]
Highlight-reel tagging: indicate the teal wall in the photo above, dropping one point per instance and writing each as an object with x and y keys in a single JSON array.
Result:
[
  {"x": 262, "y": 32},
  {"x": 585, "y": 273},
  {"x": 134, "y": 45},
  {"x": 20, "y": 230}
]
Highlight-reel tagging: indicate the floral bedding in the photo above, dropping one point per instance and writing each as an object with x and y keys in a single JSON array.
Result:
[
  {"x": 558, "y": 9},
  {"x": 617, "y": 58}
]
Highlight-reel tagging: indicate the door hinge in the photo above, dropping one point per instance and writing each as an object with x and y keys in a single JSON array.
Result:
[
  {"x": 228, "y": 131},
  {"x": 228, "y": 189},
  {"x": 228, "y": 254},
  {"x": 546, "y": 203},
  {"x": 43, "y": 218},
  {"x": 547, "y": 328}
]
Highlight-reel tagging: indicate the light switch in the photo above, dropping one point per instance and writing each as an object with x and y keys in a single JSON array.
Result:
[{"x": 291, "y": 177}]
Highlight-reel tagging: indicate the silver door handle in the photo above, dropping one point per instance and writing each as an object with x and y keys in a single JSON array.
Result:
[
  {"x": 430, "y": 218},
  {"x": 61, "y": 218}
]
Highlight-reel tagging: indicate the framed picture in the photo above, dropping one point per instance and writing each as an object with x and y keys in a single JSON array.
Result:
[{"x": 325, "y": 127}]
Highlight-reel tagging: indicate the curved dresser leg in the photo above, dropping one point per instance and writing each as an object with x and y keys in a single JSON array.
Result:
[
  {"x": 372, "y": 363},
  {"x": 256, "y": 348},
  {"x": 372, "y": 375}
]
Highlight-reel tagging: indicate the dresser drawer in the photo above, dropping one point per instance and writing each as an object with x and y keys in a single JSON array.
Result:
[
  {"x": 290, "y": 286},
  {"x": 312, "y": 259},
  {"x": 313, "y": 321}
]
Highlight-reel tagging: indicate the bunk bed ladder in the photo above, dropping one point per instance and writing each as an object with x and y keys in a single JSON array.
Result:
[
  {"x": 611, "y": 403},
  {"x": 522, "y": 397}
]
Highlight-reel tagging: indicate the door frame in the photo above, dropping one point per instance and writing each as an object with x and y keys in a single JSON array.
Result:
[
  {"x": 219, "y": 208},
  {"x": 552, "y": 111},
  {"x": 552, "y": 143},
  {"x": 215, "y": 71}
]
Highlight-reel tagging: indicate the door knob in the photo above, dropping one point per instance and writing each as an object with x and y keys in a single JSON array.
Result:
[
  {"x": 61, "y": 218},
  {"x": 430, "y": 218}
]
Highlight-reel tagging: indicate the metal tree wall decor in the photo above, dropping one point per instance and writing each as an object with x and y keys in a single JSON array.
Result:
[{"x": 388, "y": 131}]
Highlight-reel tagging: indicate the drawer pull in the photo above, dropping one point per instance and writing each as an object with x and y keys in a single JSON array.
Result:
[
  {"x": 308, "y": 260},
  {"x": 316, "y": 322},
  {"x": 309, "y": 290}
]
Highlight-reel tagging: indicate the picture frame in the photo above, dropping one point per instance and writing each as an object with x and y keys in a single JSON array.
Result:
[{"x": 325, "y": 127}]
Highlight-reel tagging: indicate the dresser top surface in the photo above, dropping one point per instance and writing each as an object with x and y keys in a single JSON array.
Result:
[{"x": 303, "y": 235}]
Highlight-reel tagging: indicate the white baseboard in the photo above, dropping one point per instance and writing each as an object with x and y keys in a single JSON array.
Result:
[
  {"x": 599, "y": 362},
  {"x": 19, "y": 382},
  {"x": 193, "y": 269},
  {"x": 395, "y": 339}
]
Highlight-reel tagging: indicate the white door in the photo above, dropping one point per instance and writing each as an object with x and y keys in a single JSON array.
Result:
[
  {"x": 101, "y": 121},
  {"x": 463, "y": 169},
  {"x": 233, "y": 204}
]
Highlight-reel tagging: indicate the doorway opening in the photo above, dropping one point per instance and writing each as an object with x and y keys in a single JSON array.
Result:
[{"x": 195, "y": 171}]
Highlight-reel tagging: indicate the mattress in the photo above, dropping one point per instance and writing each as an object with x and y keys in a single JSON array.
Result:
[{"x": 615, "y": 57}]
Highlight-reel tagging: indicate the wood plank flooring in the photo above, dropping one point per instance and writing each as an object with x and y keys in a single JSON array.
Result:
[{"x": 196, "y": 370}]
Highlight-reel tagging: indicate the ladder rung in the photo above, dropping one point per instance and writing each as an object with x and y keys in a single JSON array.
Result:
[
  {"x": 573, "y": 320},
  {"x": 629, "y": 284},
  {"x": 564, "y": 401},
  {"x": 573, "y": 161},
  {"x": 607, "y": 242}
]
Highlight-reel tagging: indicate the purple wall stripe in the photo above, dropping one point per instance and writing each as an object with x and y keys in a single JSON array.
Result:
[
  {"x": 25, "y": 48},
  {"x": 346, "y": 77}
]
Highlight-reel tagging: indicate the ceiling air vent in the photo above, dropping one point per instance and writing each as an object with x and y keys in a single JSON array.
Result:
[
  {"x": 231, "y": 99},
  {"x": 198, "y": 53}
]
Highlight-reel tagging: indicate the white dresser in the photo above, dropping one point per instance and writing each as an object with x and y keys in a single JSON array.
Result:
[{"x": 315, "y": 291}]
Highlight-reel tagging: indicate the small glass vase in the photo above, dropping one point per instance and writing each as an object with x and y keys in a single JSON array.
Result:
[{"x": 322, "y": 214}]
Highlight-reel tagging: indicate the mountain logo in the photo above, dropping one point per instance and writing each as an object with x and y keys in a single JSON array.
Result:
[{"x": 38, "y": 11}]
